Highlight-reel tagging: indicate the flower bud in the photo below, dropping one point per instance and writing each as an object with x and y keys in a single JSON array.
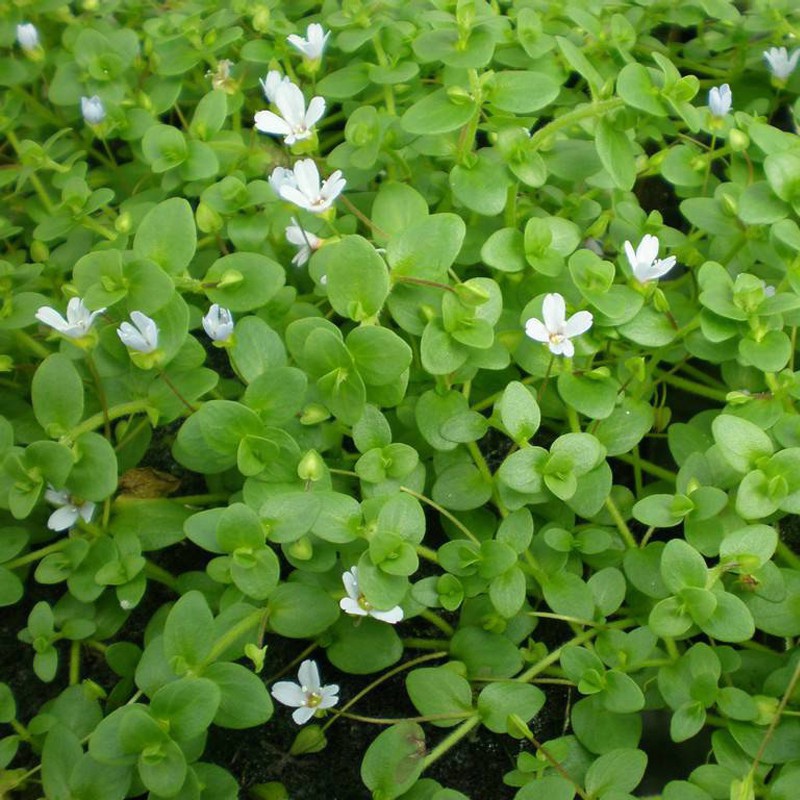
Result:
[
  {"x": 39, "y": 251},
  {"x": 311, "y": 467},
  {"x": 738, "y": 140},
  {"x": 313, "y": 414},
  {"x": 123, "y": 223}
]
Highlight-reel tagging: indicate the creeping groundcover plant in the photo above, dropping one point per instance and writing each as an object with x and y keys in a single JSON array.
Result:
[{"x": 400, "y": 399}]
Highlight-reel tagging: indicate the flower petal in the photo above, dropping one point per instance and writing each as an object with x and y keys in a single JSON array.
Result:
[
  {"x": 392, "y": 616},
  {"x": 554, "y": 312},
  {"x": 288, "y": 693},
  {"x": 307, "y": 176},
  {"x": 86, "y": 510},
  {"x": 647, "y": 251},
  {"x": 303, "y": 715},
  {"x": 578, "y": 323},
  {"x": 58, "y": 497},
  {"x": 662, "y": 266},
  {"x": 269, "y": 122},
  {"x": 49, "y": 316},
  {"x": 536, "y": 330},
  {"x": 630, "y": 254},
  {"x": 308, "y": 675},
  {"x": 293, "y": 195},
  {"x": 350, "y": 581},
  {"x": 316, "y": 110},
  {"x": 63, "y": 518},
  {"x": 291, "y": 103},
  {"x": 330, "y": 696},
  {"x": 351, "y": 606},
  {"x": 563, "y": 348}
]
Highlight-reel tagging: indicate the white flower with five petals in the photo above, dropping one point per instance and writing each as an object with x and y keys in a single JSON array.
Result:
[
  {"x": 644, "y": 260},
  {"x": 78, "y": 322},
  {"x": 720, "y": 100},
  {"x": 68, "y": 511},
  {"x": 357, "y": 605},
  {"x": 307, "y": 696},
  {"x": 306, "y": 241},
  {"x": 294, "y": 123},
  {"x": 27, "y": 36},
  {"x": 314, "y": 43},
  {"x": 781, "y": 64},
  {"x": 218, "y": 323},
  {"x": 304, "y": 189},
  {"x": 556, "y": 330},
  {"x": 271, "y": 83},
  {"x": 144, "y": 337}
]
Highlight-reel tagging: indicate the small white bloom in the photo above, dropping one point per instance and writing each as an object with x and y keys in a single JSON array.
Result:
[
  {"x": 142, "y": 338},
  {"x": 644, "y": 262},
  {"x": 271, "y": 83},
  {"x": 93, "y": 110},
  {"x": 357, "y": 605},
  {"x": 556, "y": 330},
  {"x": 68, "y": 512},
  {"x": 303, "y": 239},
  {"x": 308, "y": 696},
  {"x": 78, "y": 322},
  {"x": 720, "y": 100},
  {"x": 781, "y": 64},
  {"x": 221, "y": 77},
  {"x": 306, "y": 193},
  {"x": 294, "y": 123},
  {"x": 218, "y": 323},
  {"x": 314, "y": 43},
  {"x": 27, "y": 36},
  {"x": 281, "y": 177}
]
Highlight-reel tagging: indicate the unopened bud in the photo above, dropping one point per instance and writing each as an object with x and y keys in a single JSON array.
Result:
[
  {"x": 313, "y": 414},
  {"x": 311, "y": 467},
  {"x": 738, "y": 140}
]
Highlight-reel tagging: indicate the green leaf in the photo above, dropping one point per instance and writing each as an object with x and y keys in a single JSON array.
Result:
[
  {"x": 209, "y": 115},
  {"x": 522, "y": 92},
  {"x": 619, "y": 770},
  {"x": 363, "y": 647},
  {"x": 380, "y": 355},
  {"x": 298, "y": 611},
  {"x": 601, "y": 731},
  {"x": 163, "y": 771},
  {"x": 188, "y": 705},
  {"x": 437, "y": 113},
  {"x": 394, "y": 761},
  {"x": 436, "y": 691},
  {"x": 167, "y": 235},
  {"x": 741, "y": 442},
  {"x": 57, "y": 395},
  {"x": 616, "y": 153},
  {"x": 427, "y": 248},
  {"x": 682, "y": 566},
  {"x": 164, "y": 147},
  {"x": 485, "y": 654},
  {"x": 519, "y": 412},
  {"x": 244, "y": 699},
  {"x": 243, "y": 281},
  {"x": 497, "y": 701},
  {"x": 94, "y": 476},
  {"x": 188, "y": 631},
  {"x": 397, "y": 206},
  {"x": 482, "y": 185},
  {"x": 635, "y": 86}
]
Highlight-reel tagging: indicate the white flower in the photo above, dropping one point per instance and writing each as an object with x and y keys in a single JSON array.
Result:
[
  {"x": 218, "y": 323},
  {"x": 271, "y": 83},
  {"x": 305, "y": 240},
  {"x": 314, "y": 43},
  {"x": 93, "y": 110},
  {"x": 221, "y": 76},
  {"x": 281, "y": 177},
  {"x": 356, "y": 604},
  {"x": 780, "y": 63},
  {"x": 308, "y": 696},
  {"x": 720, "y": 100},
  {"x": 143, "y": 337},
  {"x": 306, "y": 192},
  {"x": 294, "y": 123},
  {"x": 27, "y": 36},
  {"x": 78, "y": 322},
  {"x": 644, "y": 262},
  {"x": 68, "y": 512},
  {"x": 556, "y": 330}
]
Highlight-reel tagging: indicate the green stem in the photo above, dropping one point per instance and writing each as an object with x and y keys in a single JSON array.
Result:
[
  {"x": 201, "y": 499},
  {"x": 20, "y": 730},
  {"x": 437, "y": 621},
  {"x": 28, "y": 341},
  {"x": 573, "y": 117},
  {"x": 622, "y": 526},
  {"x": 648, "y": 466},
  {"x": 96, "y": 420},
  {"x": 29, "y": 558},
  {"x": 232, "y": 634},
  {"x": 156, "y": 573},
  {"x": 784, "y": 552},
  {"x": 693, "y": 387},
  {"x": 92, "y": 225},
  {"x": 423, "y": 282},
  {"x": 466, "y": 139},
  {"x": 444, "y": 512},
  {"x": 74, "y": 663},
  {"x": 394, "y": 721},
  {"x": 426, "y": 553},
  {"x": 451, "y": 740}
]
